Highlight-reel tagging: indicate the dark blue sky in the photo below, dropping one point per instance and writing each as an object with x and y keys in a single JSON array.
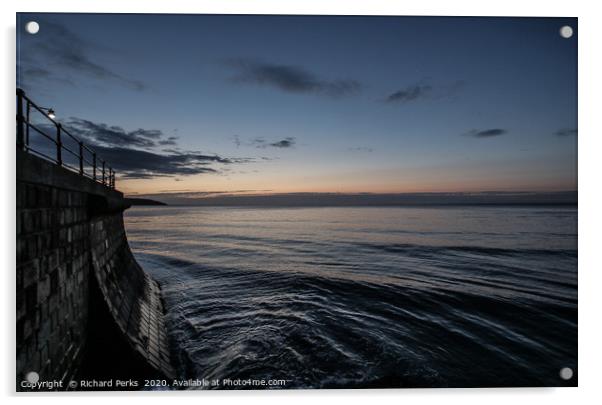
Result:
[{"x": 315, "y": 104}]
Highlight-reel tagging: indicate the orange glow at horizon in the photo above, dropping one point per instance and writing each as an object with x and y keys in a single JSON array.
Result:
[{"x": 381, "y": 182}]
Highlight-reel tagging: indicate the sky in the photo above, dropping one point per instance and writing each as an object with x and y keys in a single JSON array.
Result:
[{"x": 211, "y": 104}]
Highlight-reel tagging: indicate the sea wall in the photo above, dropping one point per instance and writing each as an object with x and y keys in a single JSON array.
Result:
[{"x": 85, "y": 308}]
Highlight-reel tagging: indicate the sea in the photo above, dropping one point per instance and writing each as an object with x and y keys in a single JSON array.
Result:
[{"x": 365, "y": 297}]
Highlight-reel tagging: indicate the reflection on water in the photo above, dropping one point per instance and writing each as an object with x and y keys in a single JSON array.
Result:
[{"x": 366, "y": 297}]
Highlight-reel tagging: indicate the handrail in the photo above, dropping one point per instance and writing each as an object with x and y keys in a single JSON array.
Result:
[{"x": 24, "y": 107}]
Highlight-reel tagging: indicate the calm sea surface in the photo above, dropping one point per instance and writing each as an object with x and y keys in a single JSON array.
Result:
[{"x": 366, "y": 297}]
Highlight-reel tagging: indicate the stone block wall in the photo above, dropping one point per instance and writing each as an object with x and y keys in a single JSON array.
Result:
[
  {"x": 78, "y": 282},
  {"x": 52, "y": 280}
]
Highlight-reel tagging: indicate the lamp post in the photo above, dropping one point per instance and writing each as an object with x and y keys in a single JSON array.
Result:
[{"x": 49, "y": 112}]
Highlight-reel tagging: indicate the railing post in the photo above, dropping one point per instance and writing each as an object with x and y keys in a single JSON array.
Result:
[
  {"x": 27, "y": 123},
  {"x": 20, "y": 120},
  {"x": 103, "y": 172},
  {"x": 59, "y": 146},
  {"x": 81, "y": 158},
  {"x": 94, "y": 165}
]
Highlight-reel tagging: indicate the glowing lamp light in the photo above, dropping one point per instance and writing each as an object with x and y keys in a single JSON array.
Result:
[{"x": 51, "y": 113}]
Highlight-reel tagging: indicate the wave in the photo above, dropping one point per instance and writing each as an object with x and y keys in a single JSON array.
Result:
[
  {"x": 346, "y": 312},
  {"x": 349, "y": 332}
]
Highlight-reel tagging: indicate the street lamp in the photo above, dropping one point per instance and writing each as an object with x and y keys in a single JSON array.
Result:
[{"x": 49, "y": 112}]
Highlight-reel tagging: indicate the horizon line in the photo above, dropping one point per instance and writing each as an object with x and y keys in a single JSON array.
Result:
[
  {"x": 234, "y": 193},
  {"x": 361, "y": 199}
]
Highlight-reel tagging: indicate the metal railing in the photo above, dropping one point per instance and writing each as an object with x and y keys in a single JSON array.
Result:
[{"x": 87, "y": 162}]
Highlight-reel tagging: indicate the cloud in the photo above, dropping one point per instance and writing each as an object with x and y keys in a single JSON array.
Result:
[
  {"x": 288, "y": 142},
  {"x": 410, "y": 93},
  {"x": 290, "y": 79},
  {"x": 38, "y": 72},
  {"x": 189, "y": 193},
  {"x": 169, "y": 141},
  {"x": 486, "y": 133},
  {"x": 425, "y": 90},
  {"x": 566, "y": 132},
  {"x": 35, "y": 75},
  {"x": 285, "y": 143},
  {"x": 113, "y": 136},
  {"x": 138, "y": 164},
  {"x": 61, "y": 51},
  {"x": 360, "y": 149},
  {"x": 132, "y": 154}
]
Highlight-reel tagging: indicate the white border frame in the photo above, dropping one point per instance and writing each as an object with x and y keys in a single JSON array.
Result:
[{"x": 590, "y": 222}]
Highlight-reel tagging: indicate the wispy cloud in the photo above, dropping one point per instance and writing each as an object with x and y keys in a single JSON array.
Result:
[
  {"x": 112, "y": 135},
  {"x": 288, "y": 142},
  {"x": 410, "y": 93},
  {"x": 486, "y": 133},
  {"x": 195, "y": 194},
  {"x": 61, "y": 51},
  {"x": 289, "y": 78},
  {"x": 566, "y": 132},
  {"x": 139, "y": 164},
  {"x": 169, "y": 141},
  {"x": 284, "y": 143},
  {"x": 425, "y": 90},
  {"x": 360, "y": 149}
]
